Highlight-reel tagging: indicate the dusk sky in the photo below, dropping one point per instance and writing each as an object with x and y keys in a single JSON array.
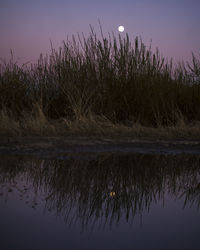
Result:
[{"x": 27, "y": 26}]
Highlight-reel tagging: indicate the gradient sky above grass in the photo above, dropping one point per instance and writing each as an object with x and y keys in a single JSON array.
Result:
[{"x": 27, "y": 26}]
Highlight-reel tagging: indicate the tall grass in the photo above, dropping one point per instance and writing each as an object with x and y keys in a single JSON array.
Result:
[{"x": 108, "y": 77}]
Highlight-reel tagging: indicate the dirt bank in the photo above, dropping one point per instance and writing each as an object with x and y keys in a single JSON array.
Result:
[{"x": 53, "y": 146}]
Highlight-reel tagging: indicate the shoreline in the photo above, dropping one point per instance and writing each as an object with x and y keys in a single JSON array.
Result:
[{"x": 57, "y": 146}]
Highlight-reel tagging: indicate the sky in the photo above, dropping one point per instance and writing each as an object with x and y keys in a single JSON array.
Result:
[{"x": 28, "y": 26}]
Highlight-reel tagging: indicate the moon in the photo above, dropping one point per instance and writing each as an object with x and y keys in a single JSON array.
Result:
[{"x": 121, "y": 28}]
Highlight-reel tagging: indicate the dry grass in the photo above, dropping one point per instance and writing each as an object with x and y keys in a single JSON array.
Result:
[
  {"x": 37, "y": 124},
  {"x": 8, "y": 126},
  {"x": 105, "y": 86}
]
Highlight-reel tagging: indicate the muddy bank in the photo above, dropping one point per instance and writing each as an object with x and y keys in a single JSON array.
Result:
[{"x": 51, "y": 147}]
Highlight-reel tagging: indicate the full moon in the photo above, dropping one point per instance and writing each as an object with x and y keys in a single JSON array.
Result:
[{"x": 121, "y": 28}]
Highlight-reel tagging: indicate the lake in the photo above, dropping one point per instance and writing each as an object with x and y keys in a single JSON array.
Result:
[{"x": 100, "y": 201}]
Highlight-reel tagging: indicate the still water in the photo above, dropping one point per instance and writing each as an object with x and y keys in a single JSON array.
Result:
[{"x": 100, "y": 201}]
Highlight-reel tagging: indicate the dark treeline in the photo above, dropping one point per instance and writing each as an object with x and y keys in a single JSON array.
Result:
[{"x": 109, "y": 77}]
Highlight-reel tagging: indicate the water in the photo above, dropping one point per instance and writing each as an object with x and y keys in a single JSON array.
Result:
[{"x": 100, "y": 201}]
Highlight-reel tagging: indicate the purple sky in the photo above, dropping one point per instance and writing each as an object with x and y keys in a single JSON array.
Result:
[{"x": 27, "y": 26}]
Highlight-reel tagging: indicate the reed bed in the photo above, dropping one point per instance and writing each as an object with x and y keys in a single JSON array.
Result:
[{"x": 109, "y": 78}]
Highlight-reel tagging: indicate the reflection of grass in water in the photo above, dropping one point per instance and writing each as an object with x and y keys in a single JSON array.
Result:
[
  {"x": 81, "y": 190},
  {"x": 107, "y": 80},
  {"x": 192, "y": 195}
]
